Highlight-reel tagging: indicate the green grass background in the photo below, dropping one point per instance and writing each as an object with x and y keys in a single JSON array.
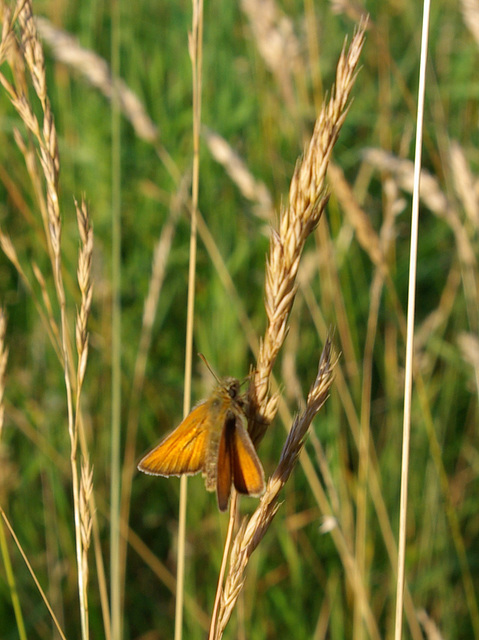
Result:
[{"x": 296, "y": 577}]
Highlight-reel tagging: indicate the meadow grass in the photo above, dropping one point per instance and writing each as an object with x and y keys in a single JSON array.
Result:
[{"x": 324, "y": 566}]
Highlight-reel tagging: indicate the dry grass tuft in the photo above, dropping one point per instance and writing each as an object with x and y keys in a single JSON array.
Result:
[{"x": 26, "y": 60}]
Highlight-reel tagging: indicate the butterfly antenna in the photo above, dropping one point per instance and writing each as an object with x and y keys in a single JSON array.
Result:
[
  {"x": 248, "y": 377},
  {"x": 209, "y": 368}
]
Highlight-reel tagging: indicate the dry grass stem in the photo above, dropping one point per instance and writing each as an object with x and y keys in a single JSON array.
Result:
[
  {"x": 403, "y": 171},
  {"x": 48, "y": 306},
  {"x": 7, "y": 475},
  {"x": 307, "y": 199},
  {"x": 434, "y": 199},
  {"x": 277, "y": 43},
  {"x": 440, "y": 315},
  {"x": 3, "y": 367},
  {"x": 49, "y": 322},
  {"x": 253, "y": 530},
  {"x": 469, "y": 346},
  {"x": 430, "y": 628},
  {"x": 252, "y": 189},
  {"x": 464, "y": 183},
  {"x": 32, "y": 573},
  {"x": 359, "y": 220},
  {"x": 470, "y": 13},
  {"x": 160, "y": 260},
  {"x": 353, "y": 10},
  {"x": 431, "y": 195},
  {"x": 96, "y": 71}
]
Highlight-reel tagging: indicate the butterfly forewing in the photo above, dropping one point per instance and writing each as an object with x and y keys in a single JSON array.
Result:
[{"x": 183, "y": 451}]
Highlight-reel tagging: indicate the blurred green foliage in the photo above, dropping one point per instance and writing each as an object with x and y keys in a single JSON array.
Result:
[{"x": 296, "y": 581}]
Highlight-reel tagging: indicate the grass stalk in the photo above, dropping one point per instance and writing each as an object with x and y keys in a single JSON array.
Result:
[
  {"x": 410, "y": 330},
  {"x": 364, "y": 446},
  {"x": 115, "y": 479},
  {"x": 196, "y": 55},
  {"x": 32, "y": 573},
  {"x": 10, "y": 575},
  {"x": 224, "y": 561},
  {"x": 3, "y": 541}
]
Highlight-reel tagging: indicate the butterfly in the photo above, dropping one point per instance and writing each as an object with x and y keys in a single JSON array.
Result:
[{"x": 212, "y": 439}]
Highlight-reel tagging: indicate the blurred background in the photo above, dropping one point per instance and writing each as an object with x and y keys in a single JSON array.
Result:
[{"x": 267, "y": 67}]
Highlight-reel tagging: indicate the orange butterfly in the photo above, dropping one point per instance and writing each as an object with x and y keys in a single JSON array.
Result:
[{"x": 212, "y": 439}]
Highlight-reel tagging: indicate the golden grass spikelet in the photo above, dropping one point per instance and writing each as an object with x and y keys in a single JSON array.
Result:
[
  {"x": 43, "y": 143},
  {"x": 253, "y": 530},
  {"x": 45, "y": 133},
  {"x": 307, "y": 199},
  {"x": 32, "y": 50},
  {"x": 86, "y": 289},
  {"x": 86, "y": 488},
  {"x": 47, "y": 137}
]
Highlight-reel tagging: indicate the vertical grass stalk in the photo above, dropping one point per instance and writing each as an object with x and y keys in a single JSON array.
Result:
[
  {"x": 3, "y": 541},
  {"x": 115, "y": 491},
  {"x": 410, "y": 329},
  {"x": 196, "y": 54}
]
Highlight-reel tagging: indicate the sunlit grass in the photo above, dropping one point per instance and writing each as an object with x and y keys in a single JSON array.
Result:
[{"x": 353, "y": 275}]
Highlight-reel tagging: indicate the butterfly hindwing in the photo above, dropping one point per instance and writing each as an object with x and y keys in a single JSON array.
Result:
[
  {"x": 248, "y": 475},
  {"x": 224, "y": 469}
]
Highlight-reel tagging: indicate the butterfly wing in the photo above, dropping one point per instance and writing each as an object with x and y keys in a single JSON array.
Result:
[
  {"x": 181, "y": 452},
  {"x": 224, "y": 472},
  {"x": 248, "y": 474}
]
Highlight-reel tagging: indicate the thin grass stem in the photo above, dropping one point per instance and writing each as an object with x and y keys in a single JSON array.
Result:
[
  {"x": 10, "y": 575},
  {"x": 226, "y": 552},
  {"x": 32, "y": 573},
  {"x": 410, "y": 329},
  {"x": 196, "y": 55},
  {"x": 115, "y": 486}
]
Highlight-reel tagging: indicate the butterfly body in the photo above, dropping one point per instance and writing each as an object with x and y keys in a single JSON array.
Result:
[{"x": 212, "y": 439}]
